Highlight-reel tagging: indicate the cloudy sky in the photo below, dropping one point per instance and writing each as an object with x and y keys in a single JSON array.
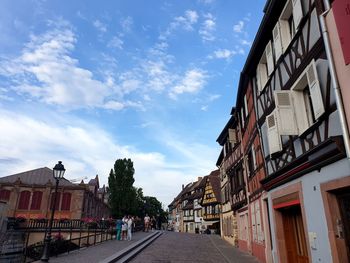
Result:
[{"x": 88, "y": 82}]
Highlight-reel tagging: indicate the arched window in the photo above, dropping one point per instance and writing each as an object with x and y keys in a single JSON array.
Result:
[
  {"x": 24, "y": 200},
  {"x": 36, "y": 200},
  {"x": 5, "y": 195},
  {"x": 66, "y": 198},
  {"x": 57, "y": 201}
]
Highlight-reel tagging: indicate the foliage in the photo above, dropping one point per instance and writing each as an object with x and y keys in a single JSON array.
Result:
[{"x": 122, "y": 194}]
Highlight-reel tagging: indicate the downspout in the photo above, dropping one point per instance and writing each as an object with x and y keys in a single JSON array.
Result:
[{"x": 334, "y": 79}]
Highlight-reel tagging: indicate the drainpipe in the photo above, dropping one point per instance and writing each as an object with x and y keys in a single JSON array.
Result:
[{"x": 334, "y": 79}]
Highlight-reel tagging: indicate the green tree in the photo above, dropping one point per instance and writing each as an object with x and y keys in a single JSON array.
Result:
[{"x": 122, "y": 194}]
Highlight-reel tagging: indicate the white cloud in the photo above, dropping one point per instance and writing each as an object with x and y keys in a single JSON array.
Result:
[
  {"x": 193, "y": 81},
  {"x": 127, "y": 23},
  {"x": 87, "y": 150},
  {"x": 245, "y": 42},
  {"x": 238, "y": 28},
  {"x": 185, "y": 22},
  {"x": 116, "y": 42},
  {"x": 100, "y": 26},
  {"x": 224, "y": 53},
  {"x": 208, "y": 27},
  {"x": 46, "y": 71}
]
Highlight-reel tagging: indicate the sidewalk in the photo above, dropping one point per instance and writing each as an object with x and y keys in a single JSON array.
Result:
[
  {"x": 230, "y": 253},
  {"x": 99, "y": 252}
]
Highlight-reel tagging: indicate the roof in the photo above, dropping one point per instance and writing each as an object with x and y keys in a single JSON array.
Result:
[
  {"x": 214, "y": 179},
  {"x": 40, "y": 176}
]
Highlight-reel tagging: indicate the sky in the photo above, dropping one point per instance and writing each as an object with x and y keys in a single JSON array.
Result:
[{"x": 89, "y": 82}]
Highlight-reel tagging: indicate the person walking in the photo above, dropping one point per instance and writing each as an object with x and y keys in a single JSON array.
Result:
[
  {"x": 124, "y": 227},
  {"x": 119, "y": 225},
  {"x": 129, "y": 223},
  {"x": 147, "y": 221}
]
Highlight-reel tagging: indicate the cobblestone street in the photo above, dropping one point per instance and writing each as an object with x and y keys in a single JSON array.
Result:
[{"x": 181, "y": 247}]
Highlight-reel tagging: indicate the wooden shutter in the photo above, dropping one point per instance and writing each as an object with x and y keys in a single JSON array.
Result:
[
  {"x": 258, "y": 221},
  {"x": 242, "y": 116},
  {"x": 66, "y": 200},
  {"x": 245, "y": 106},
  {"x": 315, "y": 90},
  {"x": 253, "y": 157},
  {"x": 269, "y": 58},
  {"x": 36, "y": 200},
  {"x": 277, "y": 43},
  {"x": 274, "y": 138},
  {"x": 285, "y": 113},
  {"x": 24, "y": 200},
  {"x": 262, "y": 69},
  {"x": 232, "y": 136},
  {"x": 258, "y": 81},
  {"x": 297, "y": 12},
  {"x": 5, "y": 195}
]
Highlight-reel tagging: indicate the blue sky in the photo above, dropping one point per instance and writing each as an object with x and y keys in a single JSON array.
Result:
[{"x": 88, "y": 82}]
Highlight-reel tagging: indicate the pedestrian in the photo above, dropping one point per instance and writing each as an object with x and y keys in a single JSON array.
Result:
[
  {"x": 153, "y": 223},
  {"x": 147, "y": 222},
  {"x": 129, "y": 223},
  {"x": 124, "y": 227},
  {"x": 119, "y": 225}
]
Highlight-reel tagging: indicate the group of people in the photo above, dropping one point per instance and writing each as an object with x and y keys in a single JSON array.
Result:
[
  {"x": 151, "y": 223},
  {"x": 124, "y": 228}
]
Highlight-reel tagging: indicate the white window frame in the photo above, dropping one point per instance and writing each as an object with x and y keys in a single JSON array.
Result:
[
  {"x": 282, "y": 33},
  {"x": 295, "y": 112}
]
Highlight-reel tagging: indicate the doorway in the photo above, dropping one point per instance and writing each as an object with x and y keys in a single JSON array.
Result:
[
  {"x": 294, "y": 234},
  {"x": 344, "y": 224}
]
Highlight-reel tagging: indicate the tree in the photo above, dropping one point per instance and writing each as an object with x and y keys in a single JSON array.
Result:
[{"x": 122, "y": 194}]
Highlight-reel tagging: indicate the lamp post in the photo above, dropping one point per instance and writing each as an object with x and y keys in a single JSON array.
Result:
[{"x": 58, "y": 172}]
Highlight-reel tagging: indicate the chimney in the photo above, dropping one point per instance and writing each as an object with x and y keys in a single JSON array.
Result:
[
  {"x": 183, "y": 186},
  {"x": 199, "y": 178}
]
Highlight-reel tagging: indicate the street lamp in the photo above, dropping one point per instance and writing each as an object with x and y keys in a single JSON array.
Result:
[{"x": 58, "y": 172}]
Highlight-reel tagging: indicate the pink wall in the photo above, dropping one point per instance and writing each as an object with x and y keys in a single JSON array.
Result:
[{"x": 343, "y": 71}]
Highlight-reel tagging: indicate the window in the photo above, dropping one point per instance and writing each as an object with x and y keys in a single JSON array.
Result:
[
  {"x": 297, "y": 109},
  {"x": 265, "y": 67},
  {"x": 5, "y": 195},
  {"x": 36, "y": 200},
  {"x": 232, "y": 136},
  {"x": 286, "y": 26},
  {"x": 24, "y": 200},
  {"x": 57, "y": 205},
  {"x": 66, "y": 199},
  {"x": 251, "y": 160}
]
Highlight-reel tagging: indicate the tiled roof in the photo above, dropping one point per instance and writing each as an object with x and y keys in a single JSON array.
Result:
[{"x": 40, "y": 176}]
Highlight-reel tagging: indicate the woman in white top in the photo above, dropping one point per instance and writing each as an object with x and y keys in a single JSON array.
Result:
[
  {"x": 129, "y": 223},
  {"x": 124, "y": 227}
]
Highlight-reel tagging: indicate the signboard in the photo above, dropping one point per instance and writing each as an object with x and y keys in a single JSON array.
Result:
[{"x": 341, "y": 10}]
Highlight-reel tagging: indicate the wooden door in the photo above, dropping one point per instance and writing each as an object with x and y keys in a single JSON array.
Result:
[
  {"x": 294, "y": 235},
  {"x": 344, "y": 206}
]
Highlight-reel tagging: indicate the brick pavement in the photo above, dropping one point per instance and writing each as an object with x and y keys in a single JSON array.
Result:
[
  {"x": 99, "y": 252},
  {"x": 185, "y": 248}
]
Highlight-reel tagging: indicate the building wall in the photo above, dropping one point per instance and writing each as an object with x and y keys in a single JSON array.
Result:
[
  {"x": 342, "y": 70},
  {"x": 313, "y": 208}
]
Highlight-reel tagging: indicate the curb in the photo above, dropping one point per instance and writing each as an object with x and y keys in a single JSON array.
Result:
[{"x": 126, "y": 254}]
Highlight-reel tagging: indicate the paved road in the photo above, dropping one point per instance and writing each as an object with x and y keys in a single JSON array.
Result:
[{"x": 174, "y": 247}]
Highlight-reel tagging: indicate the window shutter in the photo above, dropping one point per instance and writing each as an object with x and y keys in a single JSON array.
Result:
[
  {"x": 5, "y": 195},
  {"x": 269, "y": 58},
  {"x": 285, "y": 113},
  {"x": 242, "y": 116},
  {"x": 315, "y": 90},
  {"x": 36, "y": 200},
  {"x": 66, "y": 200},
  {"x": 232, "y": 136},
  {"x": 253, "y": 157},
  {"x": 258, "y": 221},
  {"x": 277, "y": 43},
  {"x": 258, "y": 84},
  {"x": 24, "y": 200},
  {"x": 297, "y": 12},
  {"x": 245, "y": 106},
  {"x": 273, "y": 135}
]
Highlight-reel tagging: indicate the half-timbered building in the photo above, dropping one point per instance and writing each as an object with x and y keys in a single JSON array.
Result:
[
  {"x": 229, "y": 156},
  {"x": 299, "y": 121},
  {"x": 211, "y": 202}
]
